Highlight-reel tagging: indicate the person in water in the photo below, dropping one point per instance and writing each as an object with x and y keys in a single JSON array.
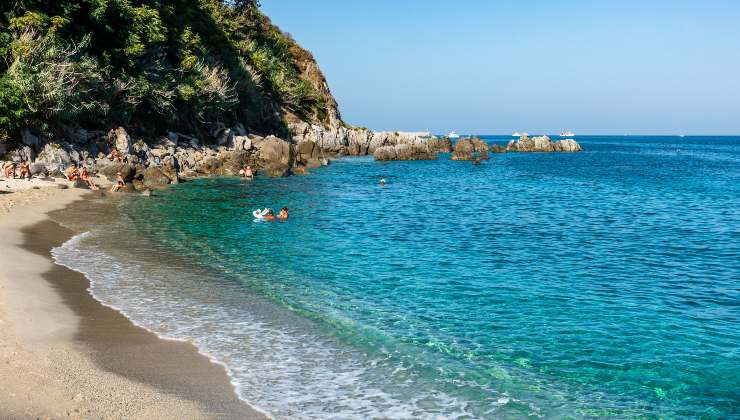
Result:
[
  {"x": 283, "y": 215},
  {"x": 248, "y": 172},
  {"x": 382, "y": 182},
  {"x": 270, "y": 216}
]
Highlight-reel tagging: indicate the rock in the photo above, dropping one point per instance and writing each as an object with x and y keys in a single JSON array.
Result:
[
  {"x": 276, "y": 170},
  {"x": 440, "y": 145},
  {"x": 78, "y": 183},
  {"x": 567, "y": 145},
  {"x": 242, "y": 143},
  {"x": 420, "y": 151},
  {"x": 37, "y": 168},
  {"x": 29, "y": 139},
  {"x": 542, "y": 144},
  {"x": 498, "y": 149},
  {"x": 385, "y": 153},
  {"x": 275, "y": 152},
  {"x": 469, "y": 149},
  {"x": 308, "y": 153},
  {"x": 22, "y": 153},
  {"x": 239, "y": 130},
  {"x": 121, "y": 140},
  {"x": 154, "y": 177},
  {"x": 111, "y": 170},
  {"x": 76, "y": 134},
  {"x": 62, "y": 186}
]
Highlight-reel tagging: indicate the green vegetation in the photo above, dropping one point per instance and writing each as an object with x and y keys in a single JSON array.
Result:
[{"x": 186, "y": 65}]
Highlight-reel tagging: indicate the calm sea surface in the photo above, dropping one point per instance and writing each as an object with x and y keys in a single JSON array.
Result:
[{"x": 603, "y": 283}]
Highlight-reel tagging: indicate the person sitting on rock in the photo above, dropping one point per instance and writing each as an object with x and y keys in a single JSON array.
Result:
[
  {"x": 120, "y": 183},
  {"x": 116, "y": 155},
  {"x": 25, "y": 170},
  {"x": 85, "y": 176},
  {"x": 72, "y": 173},
  {"x": 9, "y": 170},
  {"x": 283, "y": 215}
]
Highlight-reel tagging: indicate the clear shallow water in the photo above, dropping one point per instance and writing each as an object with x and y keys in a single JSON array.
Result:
[{"x": 605, "y": 283}]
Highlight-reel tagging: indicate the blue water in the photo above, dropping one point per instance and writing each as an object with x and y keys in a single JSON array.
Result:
[{"x": 597, "y": 284}]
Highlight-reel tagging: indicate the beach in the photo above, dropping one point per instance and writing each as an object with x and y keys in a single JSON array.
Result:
[{"x": 64, "y": 355}]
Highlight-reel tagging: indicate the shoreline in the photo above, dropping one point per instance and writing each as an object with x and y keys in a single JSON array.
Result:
[{"x": 69, "y": 355}]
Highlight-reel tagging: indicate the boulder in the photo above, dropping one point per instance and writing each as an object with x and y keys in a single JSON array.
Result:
[
  {"x": 498, "y": 149},
  {"x": 469, "y": 149},
  {"x": 78, "y": 183},
  {"x": 276, "y": 170},
  {"x": 121, "y": 140},
  {"x": 385, "y": 153},
  {"x": 419, "y": 151},
  {"x": 542, "y": 144},
  {"x": 440, "y": 145},
  {"x": 308, "y": 153},
  {"x": 154, "y": 177},
  {"x": 567, "y": 145},
  {"x": 37, "y": 168},
  {"x": 22, "y": 153},
  {"x": 242, "y": 143},
  {"x": 111, "y": 170},
  {"x": 275, "y": 152}
]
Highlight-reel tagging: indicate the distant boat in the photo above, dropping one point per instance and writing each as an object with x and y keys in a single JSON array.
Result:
[
  {"x": 567, "y": 134},
  {"x": 518, "y": 134},
  {"x": 453, "y": 135}
]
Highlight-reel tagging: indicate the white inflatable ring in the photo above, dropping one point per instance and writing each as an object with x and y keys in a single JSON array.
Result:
[{"x": 260, "y": 214}]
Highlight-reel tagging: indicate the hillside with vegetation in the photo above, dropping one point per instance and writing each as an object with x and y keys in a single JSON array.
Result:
[{"x": 157, "y": 65}]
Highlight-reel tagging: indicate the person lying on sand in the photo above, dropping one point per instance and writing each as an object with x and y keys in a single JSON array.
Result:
[
  {"x": 120, "y": 183},
  {"x": 72, "y": 173},
  {"x": 9, "y": 170},
  {"x": 25, "y": 170},
  {"x": 283, "y": 215},
  {"x": 85, "y": 176}
]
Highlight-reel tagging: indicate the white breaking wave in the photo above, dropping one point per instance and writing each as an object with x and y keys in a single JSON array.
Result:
[{"x": 275, "y": 362}]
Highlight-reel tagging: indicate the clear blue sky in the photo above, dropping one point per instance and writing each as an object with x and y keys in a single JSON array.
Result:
[{"x": 487, "y": 66}]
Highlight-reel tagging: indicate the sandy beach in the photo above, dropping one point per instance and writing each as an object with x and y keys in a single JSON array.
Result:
[{"x": 64, "y": 355}]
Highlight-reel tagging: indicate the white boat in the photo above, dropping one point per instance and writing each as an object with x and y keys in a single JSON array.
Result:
[
  {"x": 518, "y": 134},
  {"x": 453, "y": 135},
  {"x": 567, "y": 134}
]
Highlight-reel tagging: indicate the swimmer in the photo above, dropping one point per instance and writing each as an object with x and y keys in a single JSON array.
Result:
[
  {"x": 382, "y": 182},
  {"x": 283, "y": 215},
  {"x": 270, "y": 216}
]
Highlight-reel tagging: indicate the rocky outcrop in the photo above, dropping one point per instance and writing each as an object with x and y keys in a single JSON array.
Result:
[
  {"x": 542, "y": 144},
  {"x": 419, "y": 151},
  {"x": 470, "y": 149},
  {"x": 121, "y": 140}
]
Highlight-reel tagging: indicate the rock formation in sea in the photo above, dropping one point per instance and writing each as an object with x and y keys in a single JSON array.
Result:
[
  {"x": 542, "y": 144},
  {"x": 470, "y": 149}
]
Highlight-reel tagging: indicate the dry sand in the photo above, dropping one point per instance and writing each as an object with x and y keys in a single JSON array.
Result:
[{"x": 63, "y": 355}]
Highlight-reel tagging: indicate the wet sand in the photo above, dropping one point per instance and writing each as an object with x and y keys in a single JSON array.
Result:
[{"x": 63, "y": 354}]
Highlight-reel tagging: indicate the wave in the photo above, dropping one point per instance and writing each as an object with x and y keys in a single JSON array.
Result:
[{"x": 276, "y": 361}]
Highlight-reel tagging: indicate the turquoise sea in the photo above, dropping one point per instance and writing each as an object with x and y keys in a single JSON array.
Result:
[{"x": 599, "y": 284}]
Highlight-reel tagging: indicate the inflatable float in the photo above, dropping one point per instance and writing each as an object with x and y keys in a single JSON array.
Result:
[{"x": 260, "y": 214}]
